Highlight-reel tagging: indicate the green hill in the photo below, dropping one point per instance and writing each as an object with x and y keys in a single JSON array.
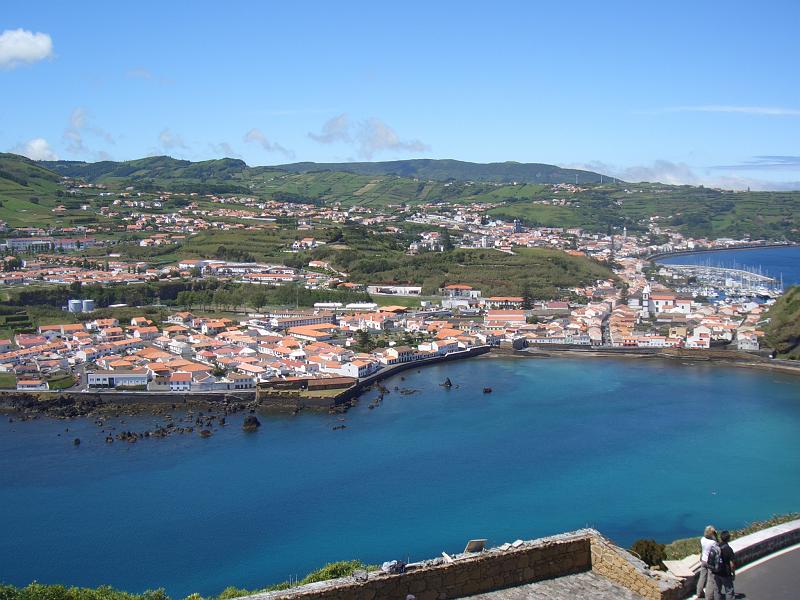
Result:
[
  {"x": 444, "y": 170},
  {"x": 27, "y": 190},
  {"x": 596, "y": 207},
  {"x": 783, "y": 331},
  {"x": 152, "y": 167},
  {"x": 224, "y": 175}
]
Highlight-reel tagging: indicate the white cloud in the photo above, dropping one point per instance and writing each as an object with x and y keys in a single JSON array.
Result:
[
  {"x": 147, "y": 75},
  {"x": 333, "y": 130},
  {"x": 78, "y": 124},
  {"x": 225, "y": 149},
  {"x": 20, "y": 46},
  {"x": 765, "y": 163},
  {"x": 679, "y": 173},
  {"x": 256, "y": 136},
  {"x": 376, "y": 136},
  {"x": 369, "y": 137},
  {"x": 772, "y": 111},
  {"x": 169, "y": 140},
  {"x": 35, "y": 149}
]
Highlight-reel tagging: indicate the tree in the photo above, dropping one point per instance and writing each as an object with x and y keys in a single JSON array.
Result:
[
  {"x": 364, "y": 341},
  {"x": 527, "y": 299},
  {"x": 650, "y": 551},
  {"x": 447, "y": 243}
]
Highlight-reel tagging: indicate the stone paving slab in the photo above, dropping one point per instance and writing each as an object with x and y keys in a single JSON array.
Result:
[{"x": 570, "y": 587}]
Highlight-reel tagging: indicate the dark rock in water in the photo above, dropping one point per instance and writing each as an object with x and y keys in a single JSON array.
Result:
[
  {"x": 205, "y": 433},
  {"x": 447, "y": 383},
  {"x": 251, "y": 423},
  {"x": 77, "y": 441}
]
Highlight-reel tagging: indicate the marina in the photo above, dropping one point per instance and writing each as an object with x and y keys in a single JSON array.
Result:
[{"x": 755, "y": 274}]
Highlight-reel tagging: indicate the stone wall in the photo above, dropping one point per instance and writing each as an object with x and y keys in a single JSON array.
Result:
[
  {"x": 757, "y": 545},
  {"x": 473, "y": 574},
  {"x": 506, "y": 566},
  {"x": 621, "y": 567}
]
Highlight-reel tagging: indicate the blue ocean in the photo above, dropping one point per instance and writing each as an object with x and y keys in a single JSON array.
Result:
[{"x": 635, "y": 448}]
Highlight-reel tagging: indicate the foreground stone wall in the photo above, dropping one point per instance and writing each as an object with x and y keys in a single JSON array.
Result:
[
  {"x": 506, "y": 566},
  {"x": 439, "y": 579},
  {"x": 624, "y": 569}
]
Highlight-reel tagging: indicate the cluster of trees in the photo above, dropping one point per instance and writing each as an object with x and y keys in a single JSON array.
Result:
[
  {"x": 233, "y": 254},
  {"x": 238, "y": 296},
  {"x": 205, "y": 294}
]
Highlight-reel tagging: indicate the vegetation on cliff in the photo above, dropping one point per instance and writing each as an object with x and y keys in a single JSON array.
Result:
[
  {"x": 38, "y": 591},
  {"x": 783, "y": 331},
  {"x": 686, "y": 547}
]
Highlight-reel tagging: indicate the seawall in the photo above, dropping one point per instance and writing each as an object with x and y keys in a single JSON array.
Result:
[{"x": 656, "y": 257}]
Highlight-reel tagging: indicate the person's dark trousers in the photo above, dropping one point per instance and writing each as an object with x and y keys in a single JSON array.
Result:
[{"x": 723, "y": 588}]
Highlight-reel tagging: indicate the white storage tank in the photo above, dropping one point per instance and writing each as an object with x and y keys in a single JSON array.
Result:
[
  {"x": 88, "y": 305},
  {"x": 74, "y": 306}
]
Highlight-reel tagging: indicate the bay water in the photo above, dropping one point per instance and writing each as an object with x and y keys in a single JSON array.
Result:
[{"x": 637, "y": 448}]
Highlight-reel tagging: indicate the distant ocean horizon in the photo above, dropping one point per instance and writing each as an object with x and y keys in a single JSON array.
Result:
[{"x": 637, "y": 449}]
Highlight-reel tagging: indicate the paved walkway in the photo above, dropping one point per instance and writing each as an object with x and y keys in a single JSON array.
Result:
[
  {"x": 777, "y": 578},
  {"x": 570, "y": 587}
]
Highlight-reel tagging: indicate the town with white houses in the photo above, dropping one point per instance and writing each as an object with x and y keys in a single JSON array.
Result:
[{"x": 640, "y": 309}]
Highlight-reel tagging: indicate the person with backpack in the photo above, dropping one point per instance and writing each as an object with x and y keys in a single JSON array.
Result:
[
  {"x": 723, "y": 568},
  {"x": 708, "y": 540}
]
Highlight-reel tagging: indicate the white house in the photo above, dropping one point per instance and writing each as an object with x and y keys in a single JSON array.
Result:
[
  {"x": 32, "y": 385},
  {"x": 115, "y": 379}
]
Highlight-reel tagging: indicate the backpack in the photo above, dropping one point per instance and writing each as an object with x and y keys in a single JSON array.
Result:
[{"x": 714, "y": 562}]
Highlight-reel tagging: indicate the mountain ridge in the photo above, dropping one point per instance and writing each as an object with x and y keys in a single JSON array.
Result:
[
  {"x": 225, "y": 168},
  {"x": 447, "y": 169}
]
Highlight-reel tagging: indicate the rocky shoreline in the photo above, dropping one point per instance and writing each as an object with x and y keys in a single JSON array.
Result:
[
  {"x": 200, "y": 417},
  {"x": 200, "y": 413}
]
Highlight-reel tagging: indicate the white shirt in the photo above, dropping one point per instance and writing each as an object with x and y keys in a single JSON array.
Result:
[{"x": 705, "y": 546}]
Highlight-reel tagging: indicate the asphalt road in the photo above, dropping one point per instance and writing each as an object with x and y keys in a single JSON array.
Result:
[{"x": 776, "y": 579}]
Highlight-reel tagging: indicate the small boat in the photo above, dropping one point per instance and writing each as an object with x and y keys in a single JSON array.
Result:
[{"x": 487, "y": 390}]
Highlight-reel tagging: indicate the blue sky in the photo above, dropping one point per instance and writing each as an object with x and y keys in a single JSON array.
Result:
[{"x": 695, "y": 92}]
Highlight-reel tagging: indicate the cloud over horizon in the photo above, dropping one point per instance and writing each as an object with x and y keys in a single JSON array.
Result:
[
  {"x": 170, "y": 141},
  {"x": 370, "y": 136},
  {"x": 256, "y": 136},
  {"x": 765, "y": 163},
  {"x": 225, "y": 150},
  {"x": 35, "y": 149},
  {"x": 20, "y": 47},
  {"x": 679, "y": 173},
  {"x": 73, "y": 134}
]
